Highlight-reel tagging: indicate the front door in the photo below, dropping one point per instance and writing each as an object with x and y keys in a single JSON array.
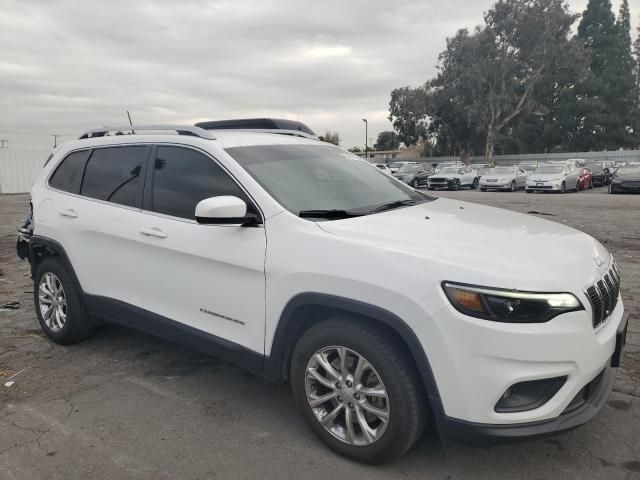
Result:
[{"x": 208, "y": 277}]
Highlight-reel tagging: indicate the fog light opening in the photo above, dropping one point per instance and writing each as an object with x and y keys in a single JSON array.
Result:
[{"x": 529, "y": 395}]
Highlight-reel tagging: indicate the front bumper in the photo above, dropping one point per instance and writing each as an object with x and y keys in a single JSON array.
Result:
[
  {"x": 626, "y": 187},
  {"x": 441, "y": 184},
  {"x": 495, "y": 185},
  {"x": 475, "y": 361},
  {"x": 544, "y": 186}
]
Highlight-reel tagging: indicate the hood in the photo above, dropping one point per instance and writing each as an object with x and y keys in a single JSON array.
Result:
[
  {"x": 482, "y": 245},
  {"x": 627, "y": 176},
  {"x": 445, "y": 175},
  {"x": 493, "y": 176},
  {"x": 545, "y": 176}
]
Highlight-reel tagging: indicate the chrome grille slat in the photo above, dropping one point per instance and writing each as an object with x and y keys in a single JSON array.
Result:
[{"x": 603, "y": 295}]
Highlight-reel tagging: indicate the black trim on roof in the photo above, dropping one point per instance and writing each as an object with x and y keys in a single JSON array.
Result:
[{"x": 255, "y": 123}]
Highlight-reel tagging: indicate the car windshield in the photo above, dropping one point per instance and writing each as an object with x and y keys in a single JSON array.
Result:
[
  {"x": 396, "y": 164},
  {"x": 450, "y": 170},
  {"x": 528, "y": 168},
  {"x": 594, "y": 167},
  {"x": 484, "y": 170},
  {"x": 408, "y": 169},
  {"x": 502, "y": 170},
  {"x": 477, "y": 166},
  {"x": 316, "y": 181},
  {"x": 550, "y": 169}
]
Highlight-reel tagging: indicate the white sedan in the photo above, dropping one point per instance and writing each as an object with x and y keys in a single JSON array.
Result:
[
  {"x": 384, "y": 167},
  {"x": 504, "y": 178},
  {"x": 554, "y": 178}
]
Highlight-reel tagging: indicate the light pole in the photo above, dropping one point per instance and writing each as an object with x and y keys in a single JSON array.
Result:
[{"x": 366, "y": 136}]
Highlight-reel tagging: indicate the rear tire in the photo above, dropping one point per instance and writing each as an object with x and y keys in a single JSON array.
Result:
[
  {"x": 513, "y": 185},
  {"x": 59, "y": 307},
  {"x": 390, "y": 372},
  {"x": 475, "y": 183},
  {"x": 563, "y": 187}
]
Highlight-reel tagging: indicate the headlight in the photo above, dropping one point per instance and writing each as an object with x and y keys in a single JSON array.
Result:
[{"x": 512, "y": 306}]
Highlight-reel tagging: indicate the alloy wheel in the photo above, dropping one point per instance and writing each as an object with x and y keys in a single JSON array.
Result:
[
  {"x": 347, "y": 395},
  {"x": 52, "y": 302}
]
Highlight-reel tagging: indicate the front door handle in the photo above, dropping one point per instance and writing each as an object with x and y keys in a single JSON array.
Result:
[
  {"x": 69, "y": 213},
  {"x": 153, "y": 232}
]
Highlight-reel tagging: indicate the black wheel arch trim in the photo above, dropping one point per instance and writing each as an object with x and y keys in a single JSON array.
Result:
[
  {"x": 39, "y": 243},
  {"x": 276, "y": 366}
]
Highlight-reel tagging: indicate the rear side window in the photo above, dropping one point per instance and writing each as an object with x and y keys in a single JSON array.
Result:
[
  {"x": 183, "y": 177},
  {"x": 68, "y": 175},
  {"x": 114, "y": 174}
]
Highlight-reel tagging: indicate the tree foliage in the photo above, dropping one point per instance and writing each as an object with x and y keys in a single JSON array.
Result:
[
  {"x": 331, "y": 137},
  {"x": 387, "y": 140},
  {"x": 524, "y": 82}
]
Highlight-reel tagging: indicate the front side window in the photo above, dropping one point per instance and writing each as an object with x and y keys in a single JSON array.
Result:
[
  {"x": 68, "y": 175},
  {"x": 320, "y": 179},
  {"x": 114, "y": 174},
  {"x": 183, "y": 177}
]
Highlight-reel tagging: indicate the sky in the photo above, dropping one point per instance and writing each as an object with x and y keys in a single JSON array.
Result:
[{"x": 67, "y": 66}]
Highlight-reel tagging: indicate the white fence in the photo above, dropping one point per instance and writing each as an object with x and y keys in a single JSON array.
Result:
[{"x": 19, "y": 168}]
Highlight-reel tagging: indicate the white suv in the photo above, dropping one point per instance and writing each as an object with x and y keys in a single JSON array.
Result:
[{"x": 384, "y": 307}]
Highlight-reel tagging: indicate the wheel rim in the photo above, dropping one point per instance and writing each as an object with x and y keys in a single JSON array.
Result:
[
  {"x": 52, "y": 302},
  {"x": 347, "y": 396}
]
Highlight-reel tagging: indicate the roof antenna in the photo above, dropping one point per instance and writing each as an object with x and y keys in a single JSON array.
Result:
[{"x": 131, "y": 123}]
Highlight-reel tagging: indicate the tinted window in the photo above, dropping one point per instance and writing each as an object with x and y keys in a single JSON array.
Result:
[
  {"x": 114, "y": 174},
  {"x": 68, "y": 175},
  {"x": 183, "y": 177}
]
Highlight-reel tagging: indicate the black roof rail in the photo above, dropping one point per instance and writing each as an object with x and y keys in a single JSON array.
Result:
[
  {"x": 128, "y": 130},
  {"x": 272, "y": 125}
]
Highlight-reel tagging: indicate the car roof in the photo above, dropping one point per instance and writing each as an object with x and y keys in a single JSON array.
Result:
[{"x": 222, "y": 139}]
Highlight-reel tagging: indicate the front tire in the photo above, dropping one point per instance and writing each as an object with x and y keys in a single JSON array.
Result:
[
  {"x": 475, "y": 183},
  {"x": 357, "y": 390},
  {"x": 59, "y": 307},
  {"x": 513, "y": 185},
  {"x": 563, "y": 187}
]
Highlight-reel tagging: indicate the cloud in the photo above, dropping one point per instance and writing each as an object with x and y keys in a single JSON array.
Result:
[{"x": 68, "y": 66}]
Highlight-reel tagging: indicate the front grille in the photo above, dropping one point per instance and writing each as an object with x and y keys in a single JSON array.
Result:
[
  {"x": 437, "y": 180},
  {"x": 603, "y": 295}
]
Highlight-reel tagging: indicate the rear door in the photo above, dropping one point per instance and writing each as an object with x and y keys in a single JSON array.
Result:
[
  {"x": 208, "y": 277},
  {"x": 95, "y": 214}
]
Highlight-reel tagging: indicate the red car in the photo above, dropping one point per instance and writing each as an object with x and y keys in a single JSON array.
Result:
[{"x": 586, "y": 179}]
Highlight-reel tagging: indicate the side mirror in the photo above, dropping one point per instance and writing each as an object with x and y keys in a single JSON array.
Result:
[{"x": 223, "y": 210}]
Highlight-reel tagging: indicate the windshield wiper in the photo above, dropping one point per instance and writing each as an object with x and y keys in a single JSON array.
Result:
[
  {"x": 328, "y": 214},
  {"x": 392, "y": 205}
]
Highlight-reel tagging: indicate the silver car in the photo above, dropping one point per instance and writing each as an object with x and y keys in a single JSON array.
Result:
[
  {"x": 504, "y": 178},
  {"x": 554, "y": 178}
]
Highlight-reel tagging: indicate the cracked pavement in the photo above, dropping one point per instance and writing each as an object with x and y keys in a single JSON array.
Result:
[{"x": 129, "y": 406}]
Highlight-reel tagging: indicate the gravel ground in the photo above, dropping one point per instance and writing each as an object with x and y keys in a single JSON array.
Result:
[{"x": 127, "y": 405}]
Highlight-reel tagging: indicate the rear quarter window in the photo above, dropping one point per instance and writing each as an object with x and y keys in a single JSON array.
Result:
[{"x": 68, "y": 175}]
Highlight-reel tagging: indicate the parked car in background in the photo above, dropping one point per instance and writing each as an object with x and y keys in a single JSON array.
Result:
[
  {"x": 454, "y": 178},
  {"x": 585, "y": 179},
  {"x": 576, "y": 162},
  {"x": 442, "y": 165},
  {"x": 384, "y": 167},
  {"x": 529, "y": 167},
  {"x": 482, "y": 171},
  {"x": 554, "y": 178},
  {"x": 626, "y": 179},
  {"x": 601, "y": 174},
  {"x": 415, "y": 175},
  {"x": 396, "y": 165},
  {"x": 478, "y": 166},
  {"x": 504, "y": 178}
]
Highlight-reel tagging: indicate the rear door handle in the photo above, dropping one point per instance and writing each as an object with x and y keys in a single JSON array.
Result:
[
  {"x": 153, "y": 232},
  {"x": 69, "y": 213}
]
